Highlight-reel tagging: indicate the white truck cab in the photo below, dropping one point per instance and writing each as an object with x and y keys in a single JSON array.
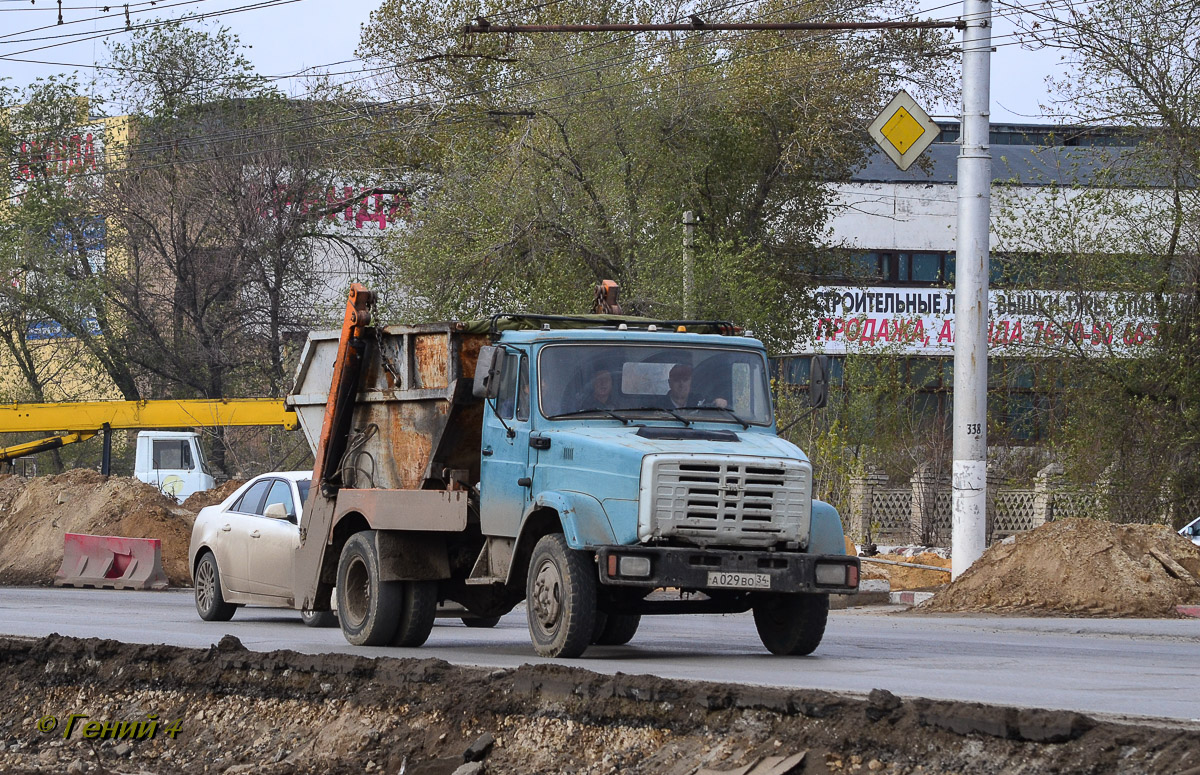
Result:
[{"x": 173, "y": 462}]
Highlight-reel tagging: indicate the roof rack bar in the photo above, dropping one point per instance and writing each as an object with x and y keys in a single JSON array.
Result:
[{"x": 726, "y": 327}]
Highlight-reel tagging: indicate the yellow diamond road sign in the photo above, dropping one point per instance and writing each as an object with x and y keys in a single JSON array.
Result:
[{"x": 903, "y": 130}]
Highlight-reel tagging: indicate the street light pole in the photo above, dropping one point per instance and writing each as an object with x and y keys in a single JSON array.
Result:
[
  {"x": 689, "y": 260},
  {"x": 968, "y": 534}
]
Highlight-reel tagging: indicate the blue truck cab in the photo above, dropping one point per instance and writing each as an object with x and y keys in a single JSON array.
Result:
[{"x": 649, "y": 459}]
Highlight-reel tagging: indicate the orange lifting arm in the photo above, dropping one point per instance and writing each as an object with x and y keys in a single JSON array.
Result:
[{"x": 347, "y": 373}]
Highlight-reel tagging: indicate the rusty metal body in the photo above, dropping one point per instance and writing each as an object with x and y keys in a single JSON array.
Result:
[{"x": 395, "y": 431}]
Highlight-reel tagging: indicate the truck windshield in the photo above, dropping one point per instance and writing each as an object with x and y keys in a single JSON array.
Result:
[{"x": 707, "y": 384}]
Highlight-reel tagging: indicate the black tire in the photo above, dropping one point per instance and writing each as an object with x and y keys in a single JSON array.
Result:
[
  {"x": 416, "y": 618},
  {"x": 210, "y": 604},
  {"x": 369, "y": 609},
  {"x": 560, "y": 598},
  {"x": 615, "y": 629},
  {"x": 791, "y": 625},
  {"x": 319, "y": 618},
  {"x": 481, "y": 622}
]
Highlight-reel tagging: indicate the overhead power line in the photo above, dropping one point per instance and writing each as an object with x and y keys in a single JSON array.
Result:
[{"x": 699, "y": 25}]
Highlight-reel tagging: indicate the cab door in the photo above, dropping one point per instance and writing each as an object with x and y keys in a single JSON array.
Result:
[{"x": 506, "y": 470}]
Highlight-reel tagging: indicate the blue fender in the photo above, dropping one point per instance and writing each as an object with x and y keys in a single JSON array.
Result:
[
  {"x": 584, "y": 521},
  {"x": 825, "y": 534}
]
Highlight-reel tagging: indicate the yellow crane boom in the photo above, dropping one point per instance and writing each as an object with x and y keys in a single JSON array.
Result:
[
  {"x": 118, "y": 415},
  {"x": 84, "y": 419}
]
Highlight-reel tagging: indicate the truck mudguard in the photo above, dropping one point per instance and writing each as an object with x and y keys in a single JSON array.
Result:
[
  {"x": 826, "y": 536},
  {"x": 584, "y": 522}
]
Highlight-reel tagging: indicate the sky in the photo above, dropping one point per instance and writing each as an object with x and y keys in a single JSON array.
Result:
[{"x": 288, "y": 36}]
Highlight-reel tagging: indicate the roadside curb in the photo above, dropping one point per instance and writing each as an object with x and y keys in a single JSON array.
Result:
[
  {"x": 909, "y": 598},
  {"x": 870, "y": 592},
  {"x": 1188, "y": 610}
]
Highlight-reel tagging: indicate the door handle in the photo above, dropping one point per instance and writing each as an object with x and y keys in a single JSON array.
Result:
[
  {"x": 486, "y": 451},
  {"x": 524, "y": 481},
  {"x": 226, "y": 528},
  {"x": 255, "y": 534}
]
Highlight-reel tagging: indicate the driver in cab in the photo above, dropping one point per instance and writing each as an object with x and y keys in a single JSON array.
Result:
[
  {"x": 598, "y": 391},
  {"x": 679, "y": 390}
]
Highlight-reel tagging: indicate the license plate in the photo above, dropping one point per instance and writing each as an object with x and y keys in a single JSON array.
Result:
[{"x": 739, "y": 580}]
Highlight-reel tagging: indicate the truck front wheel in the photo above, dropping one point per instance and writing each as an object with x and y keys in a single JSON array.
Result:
[
  {"x": 560, "y": 598},
  {"x": 369, "y": 609},
  {"x": 791, "y": 625}
]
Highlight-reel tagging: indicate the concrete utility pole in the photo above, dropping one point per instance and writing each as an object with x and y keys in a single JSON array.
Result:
[
  {"x": 968, "y": 535},
  {"x": 689, "y": 260}
]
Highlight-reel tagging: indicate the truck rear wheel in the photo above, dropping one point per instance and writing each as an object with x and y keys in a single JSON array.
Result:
[
  {"x": 368, "y": 608},
  {"x": 560, "y": 598},
  {"x": 791, "y": 625},
  {"x": 615, "y": 629},
  {"x": 416, "y": 618}
]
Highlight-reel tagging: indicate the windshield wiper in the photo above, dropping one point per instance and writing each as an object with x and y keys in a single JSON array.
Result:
[
  {"x": 727, "y": 410},
  {"x": 608, "y": 412},
  {"x": 663, "y": 409}
]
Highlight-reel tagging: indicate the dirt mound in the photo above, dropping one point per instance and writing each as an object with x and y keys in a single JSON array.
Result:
[
  {"x": 901, "y": 577},
  {"x": 36, "y": 513},
  {"x": 199, "y": 500},
  {"x": 236, "y": 711},
  {"x": 1080, "y": 567}
]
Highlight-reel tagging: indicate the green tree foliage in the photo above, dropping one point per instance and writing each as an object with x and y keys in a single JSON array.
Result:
[
  {"x": 53, "y": 245},
  {"x": 543, "y": 163},
  {"x": 1134, "y": 421},
  {"x": 181, "y": 259},
  {"x": 218, "y": 199}
]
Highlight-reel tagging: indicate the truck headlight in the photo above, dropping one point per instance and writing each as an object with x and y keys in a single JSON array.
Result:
[
  {"x": 628, "y": 565},
  {"x": 836, "y": 575}
]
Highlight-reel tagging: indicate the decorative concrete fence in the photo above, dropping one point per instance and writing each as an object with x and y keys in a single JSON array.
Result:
[{"x": 919, "y": 511}]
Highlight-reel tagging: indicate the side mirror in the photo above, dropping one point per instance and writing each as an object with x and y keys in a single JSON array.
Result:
[
  {"x": 276, "y": 511},
  {"x": 487, "y": 372},
  {"x": 818, "y": 381}
]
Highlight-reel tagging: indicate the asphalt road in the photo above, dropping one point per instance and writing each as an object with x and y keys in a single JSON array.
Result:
[{"x": 1130, "y": 667}]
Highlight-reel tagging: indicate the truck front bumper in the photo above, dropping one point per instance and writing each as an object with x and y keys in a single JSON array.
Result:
[{"x": 727, "y": 569}]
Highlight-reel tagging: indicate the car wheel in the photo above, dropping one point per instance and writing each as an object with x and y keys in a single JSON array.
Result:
[
  {"x": 369, "y": 608},
  {"x": 791, "y": 625},
  {"x": 210, "y": 604},
  {"x": 319, "y": 618},
  {"x": 560, "y": 598}
]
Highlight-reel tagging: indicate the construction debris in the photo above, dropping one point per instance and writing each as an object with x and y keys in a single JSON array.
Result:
[{"x": 922, "y": 570}]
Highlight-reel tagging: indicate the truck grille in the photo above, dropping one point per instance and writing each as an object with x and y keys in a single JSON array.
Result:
[{"x": 723, "y": 500}]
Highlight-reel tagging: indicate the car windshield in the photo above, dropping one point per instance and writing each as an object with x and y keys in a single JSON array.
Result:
[{"x": 688, "y": 384}]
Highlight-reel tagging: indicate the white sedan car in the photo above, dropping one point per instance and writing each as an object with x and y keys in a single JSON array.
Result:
[{"x": 242, "y": 550}]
